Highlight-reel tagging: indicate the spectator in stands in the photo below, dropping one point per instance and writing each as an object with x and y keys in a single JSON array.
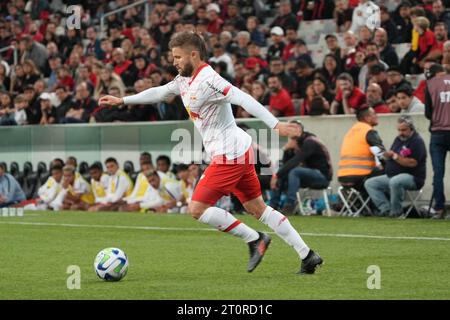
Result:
[
  {"x": 316, "y": 10},
  {"x": 349, "y": 51},
  {"x": 47, "y": 110},
  {"x": 163, "y": 166},
  {"x": 388, "y": 25},
  {"x": 321, "y": 89},
  {"x": 219, "y": 54},
  {"x": 10, "y": 191},
  {"x": 333, "y": 47},
  {"x": 375, "y": 99},
  {"x": 162, "y": 195},
  {"x": 364, "y": 38},
  {"x": 441, "y": 35},
  {"x": 132, "y": 202},
  {"x": 260, "y": 93},
  {"x": 440, "y": 14},
  {"x": 82, "y": 106},
  {"x": 367, "y": 13},
  {"x": 405, "y": 170},
  {"x": 378, "y": 75},
  {"x": 348, "y": 97},
  {"x": 7, "y": 110},
  {"x": 215, "y": 22},
  {"x": 387, "y": 51},
  {"x": 371, "y": 59},
  {"x": 305, "y": 74},
  {"x": 256, "y": 35},
  {"x": 122, "y": 66},
  {"x": 34, "y": 51},
  {"x": 277, "y": 47},
  {"x": 242, "y": 40},
  {"x": 330, "y": 70},
  {"x": 280, "y": 103},
  {"x": 285, "y": 18},
  {"x": 54, "y": 62},
  {"x": 106, "y": 81},
  {"x": 427, "y": 41},
  {"x": 395, "y": 78},
  {"x": 65, "y": 100},
  {"x": 359, "y": 148},
  {"x": 31, "y": 72},
  {"x": 93, "y": 44},
  {"x": 305, "y": 107},
  {"x": 20, "y": 106},
  {"x": 75, "y": 194},
  {"x": 277, "y": 67},
  {"x": 437, "y": 111},
  {"x": 234, "y": 17},
  {"x": 391, "y": 102},
  {"x": 343, "y": 15},
  {"x": 310, "y": 167},
  {"x": 403, "y": 22},
  {"x": 119, "y": 186},
  {"x": 407, "y": 102}
]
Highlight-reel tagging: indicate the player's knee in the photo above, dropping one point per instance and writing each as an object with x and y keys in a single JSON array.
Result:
[
  {"x": 255, "y": 209},
  {"x": 195, "y": 210}
]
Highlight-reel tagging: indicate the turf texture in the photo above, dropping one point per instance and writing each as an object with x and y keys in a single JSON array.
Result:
[{"x": 175, "y": 257}]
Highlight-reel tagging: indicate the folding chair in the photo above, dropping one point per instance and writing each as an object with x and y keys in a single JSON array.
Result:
[
  {"x": 413, "y": 197},
  {"x": 325, "y": 193},
  {"x": 353, "y": 202}
]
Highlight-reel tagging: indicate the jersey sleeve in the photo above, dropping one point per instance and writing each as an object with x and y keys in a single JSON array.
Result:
[{"x": 154, "y": 95}]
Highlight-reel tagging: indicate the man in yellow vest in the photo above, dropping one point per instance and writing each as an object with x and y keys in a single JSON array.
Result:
[
  {"x": 75, "y": 194},
  {"x": 131, "y": 202},
  {"x": 361, "y": 150},
  {"x": 99, "y": 181},
  {"x": 119, "y": 186}
]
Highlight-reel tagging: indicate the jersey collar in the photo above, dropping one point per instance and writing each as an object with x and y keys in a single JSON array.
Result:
[{"x": 197, "y": 72}]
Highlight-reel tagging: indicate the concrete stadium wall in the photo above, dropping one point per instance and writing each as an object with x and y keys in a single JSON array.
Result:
[{"x": 125, "y": 141}]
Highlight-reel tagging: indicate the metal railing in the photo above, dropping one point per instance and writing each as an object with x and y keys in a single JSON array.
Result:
[
  {"x": 16, "y": 58},
  {"x": 138, "y": 3}
]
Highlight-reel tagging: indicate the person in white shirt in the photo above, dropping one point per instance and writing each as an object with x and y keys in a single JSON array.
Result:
[
  {"x": 119, "y": 187},
  {"x": 207, "y": 98},
  {"x": 20, "y": 115},
  {"x": 131, "y": 202},
  {"x": 367, "y": 13},
  {"x": 48, "y": 191}
]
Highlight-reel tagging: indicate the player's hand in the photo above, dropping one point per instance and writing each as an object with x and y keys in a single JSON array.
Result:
[
  {"x": 288, "y": 129},
  {"x": 110, "y": 100}
]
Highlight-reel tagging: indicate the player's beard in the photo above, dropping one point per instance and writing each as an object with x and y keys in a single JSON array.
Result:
[{"x": 187, "y": 70}]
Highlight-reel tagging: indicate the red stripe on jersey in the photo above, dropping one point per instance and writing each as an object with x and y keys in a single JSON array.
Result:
[
  {"x": 197, "y": 72},
  {"x": 226, "y": 90},
  {"x": 232, "y": 226}
]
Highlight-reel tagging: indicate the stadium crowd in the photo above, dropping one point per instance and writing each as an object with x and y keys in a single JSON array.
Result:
[{"x": 61, "y": 72}]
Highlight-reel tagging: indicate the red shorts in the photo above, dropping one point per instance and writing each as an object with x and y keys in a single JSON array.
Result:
[{"x": 222, "y": 177}]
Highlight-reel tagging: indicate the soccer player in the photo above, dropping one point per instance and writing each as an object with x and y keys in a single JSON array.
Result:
[
  {"x": 48, "y": 191},
  {"x": 208, "y": 98},
  {"x": 119, "y": 186},
  {"x": 131, "y": 202}
]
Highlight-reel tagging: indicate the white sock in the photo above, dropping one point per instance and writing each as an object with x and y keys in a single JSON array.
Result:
[
  {"x": 226, "y": 222},
  {"x": 283, "y": 228}
]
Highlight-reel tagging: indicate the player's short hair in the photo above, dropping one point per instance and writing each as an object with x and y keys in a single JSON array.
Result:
[
  {"x": 69, "y": 169},
  {"x": 164, "y": 158},
  {"x": 408, "y": 121},
  {"x": 189, "y": 39},
  {"x": 150, "y": 173},
  {"x": 361, "y": 113},
  {"x": 111, "y": 159},
  {"x": 56, "y": 167},
  {"x": 3, "y": 166},
  {"x": 182, "y": 167},
  {"x": 96, "y": 166},
  {"x": 345, "y": 76},
  {"x": 405, "y": 89},
  {"x": 147, "y": 162}
]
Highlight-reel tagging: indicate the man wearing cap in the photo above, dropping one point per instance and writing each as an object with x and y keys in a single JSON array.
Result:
[
  {"x": 215, "y": 23},
  {"x": 276, "y": 49},
  {"x": 47, "y": 109},
  {"x": 437, "y": 110},
  {"x": 403, "y": 22},
  {"x": 395, "y": 78}
]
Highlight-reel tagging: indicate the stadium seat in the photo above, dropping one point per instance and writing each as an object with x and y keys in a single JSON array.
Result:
[
  {"x": 324, "y": 195},
  {"x": 353, "y": 202},
  {"x": 99, "y": 163},
  {"x": 39, "y": 178},
  {"x": 83, "y": 168},
  {"x": 30, "y": 180},
  {"x": 15, "y": 172},
  {"x": 128, "y": 167},
  {"x": 311, "y": 31}
]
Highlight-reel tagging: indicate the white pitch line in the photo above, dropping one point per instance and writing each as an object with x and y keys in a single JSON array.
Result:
[{"x": 335, "y": 235}]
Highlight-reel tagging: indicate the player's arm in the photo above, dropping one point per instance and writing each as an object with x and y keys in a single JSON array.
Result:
[
  {"x": 256, "y": 109},
  {"x": 121, "y": 188},
  {"x": 149, "y": 96}
]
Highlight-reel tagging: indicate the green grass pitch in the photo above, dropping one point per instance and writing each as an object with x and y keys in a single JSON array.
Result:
[{"x": 175, "y": 257}]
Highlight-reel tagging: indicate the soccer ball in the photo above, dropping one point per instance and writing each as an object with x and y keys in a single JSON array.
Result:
[{"x": 111, "y": 264}]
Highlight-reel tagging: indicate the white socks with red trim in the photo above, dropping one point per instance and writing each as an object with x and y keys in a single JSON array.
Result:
[
  {"x": 224, "y": 221},
  {"x": 283, "y": 228}
]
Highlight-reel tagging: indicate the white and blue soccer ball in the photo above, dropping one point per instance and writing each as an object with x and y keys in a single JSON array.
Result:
[{"x": 111, "y": 264}]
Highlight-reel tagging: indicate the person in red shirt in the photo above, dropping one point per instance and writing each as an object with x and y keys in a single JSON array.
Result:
[
  {"x": 348, "y": 98},
  {"x": 441, "y": 36},
  {"x": 426, "y": 38},
  {"x": 375, "y": 99},
  {"x": 280, "y": 104},
  {"x": 215, "y": 23}
]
